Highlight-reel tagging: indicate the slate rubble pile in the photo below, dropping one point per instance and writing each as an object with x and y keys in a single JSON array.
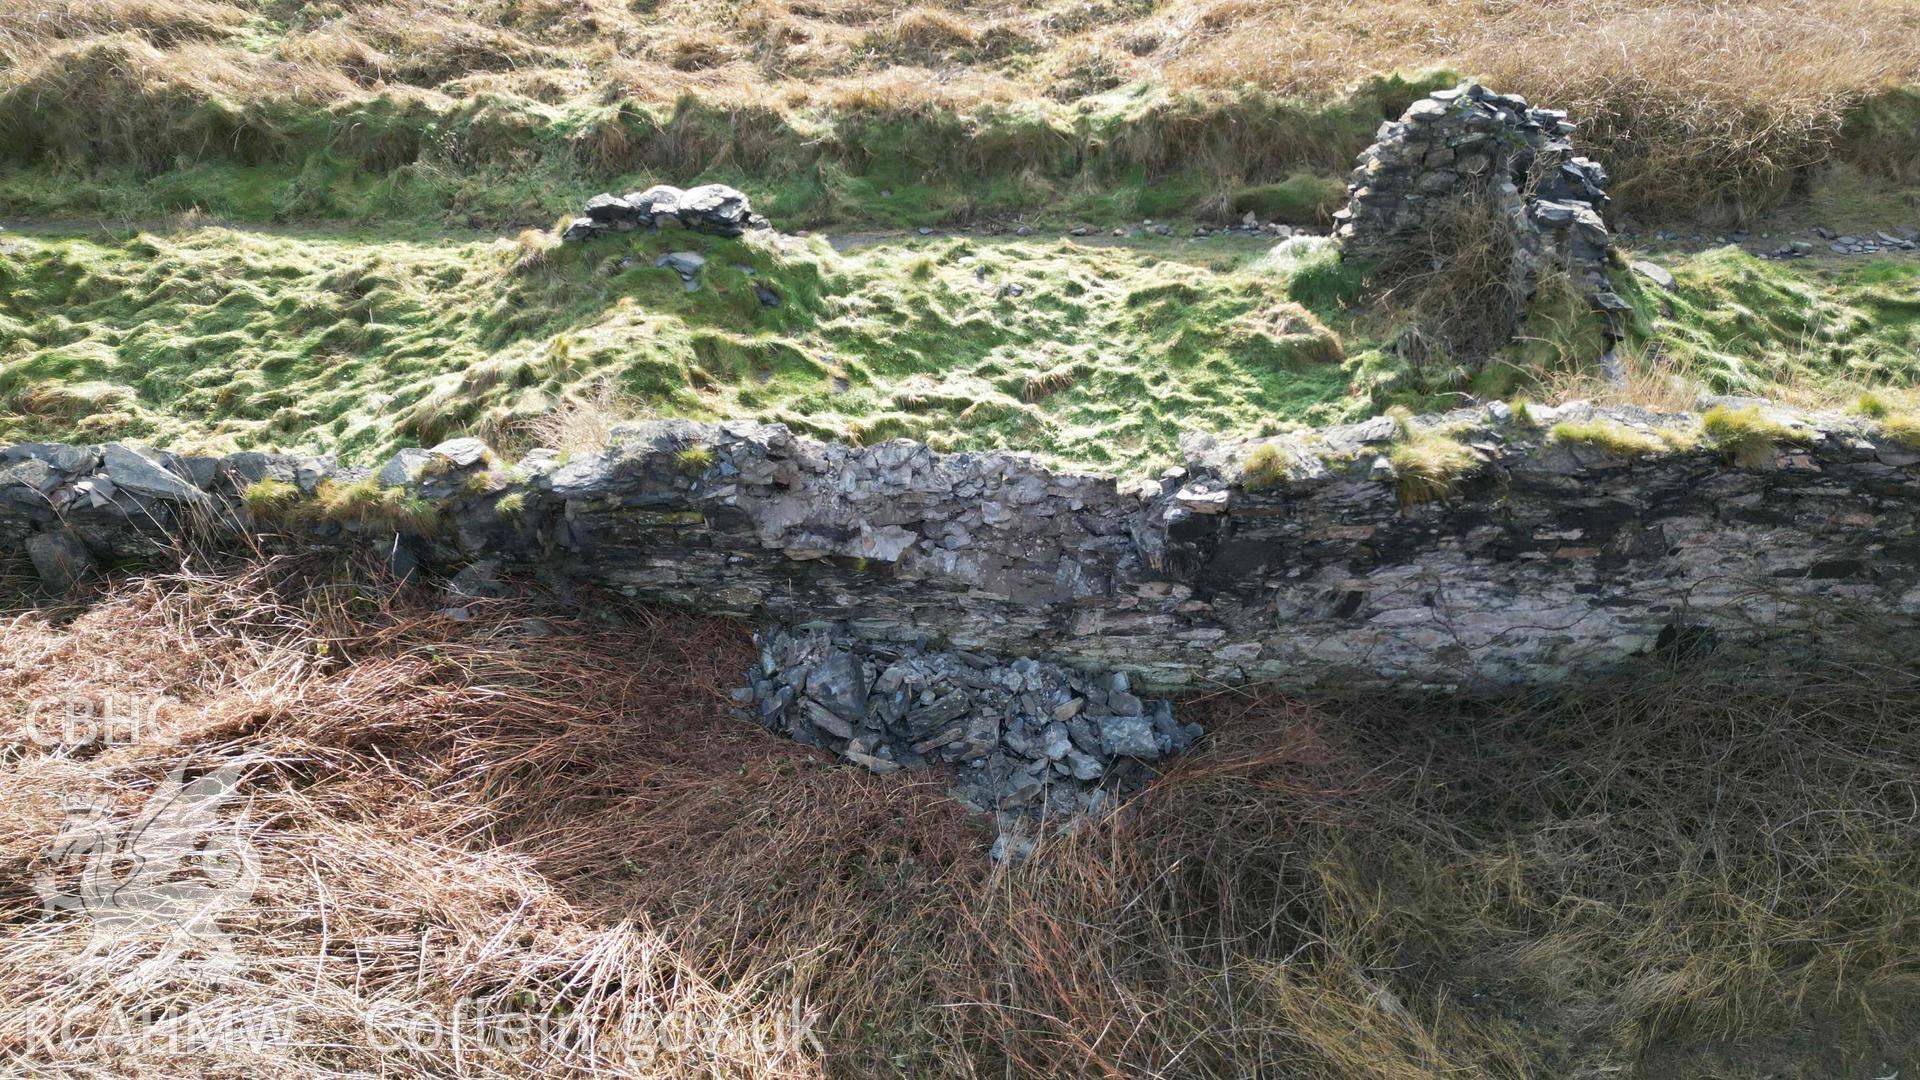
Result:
[
  {"x": 1902, "y": 238},
  {"x": 1025, "y": 738},
  {"x": 715, "y": 209},
  {"x": 1471, "y": 142}
]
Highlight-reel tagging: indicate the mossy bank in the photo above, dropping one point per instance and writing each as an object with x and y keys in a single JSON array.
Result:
[{"x": 1094, "y": 351}]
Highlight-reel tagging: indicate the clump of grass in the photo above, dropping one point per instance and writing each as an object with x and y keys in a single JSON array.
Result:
[
  {"x": 694, "y": 460},
  {"x": 1428, "y": 467},
  {"x": 368, "y": 505},
  {"x": 72, "y": 400},
  {"x": 1042, "y": 385},
  {"x": 1747, "y": 435},
  {"x": 930, "y": 29},
  {"x": 1902, "y": 428},
  {"x": 533, "y": 250},
  {"x": 511, "y": 505},
  {"x": 268, "y": 499},
  {"x": 482, "y": 482},
  {"x": 1872, "y": 406},
  {"x": 1428, "y": 463},
  {"x": 1616, "y": 437},
  {"x": 581, "y": 423},
  {"x": 1455, "y": 291},
  {"x": 1264, "y": 469},
  {"x": 560, "y": 355}
]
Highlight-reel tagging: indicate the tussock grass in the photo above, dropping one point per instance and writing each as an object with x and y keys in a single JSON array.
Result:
[
  {"x": 1618, "y": 438},
  {"x": 1429, "y": 465},
  {"x": 358, "y": 345},
  {"x": 1663, "y": 874},
  {"x": 271, "y": 500},
  {"x": 1902, "y": 428},
  {"x": 1237, "y": 93},
  {"x": 1456, "y": 291},
  {"x": 580, "y": 424},
  {"x": 1748, "y": 435},
  {"x": 368, "y": 505}
]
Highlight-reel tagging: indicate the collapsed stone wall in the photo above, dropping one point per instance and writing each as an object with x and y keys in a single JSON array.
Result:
[
  {"x": 1027, "y": 741},
  {"x": 1293, "y": 558},
  {"x": 1471, "y": 143},
  {"x": 715, "y": 209}
]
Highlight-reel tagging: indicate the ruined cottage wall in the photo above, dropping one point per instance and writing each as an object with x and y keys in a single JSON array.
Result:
[
  {"x": 1471, "y": 143},
  {"x": 1552, "y": 561}
]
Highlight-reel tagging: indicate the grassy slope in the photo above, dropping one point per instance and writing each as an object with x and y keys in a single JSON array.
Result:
[
  {"x": 359, "y": 344},
  {"x": 356, "y": 343},
  {"x": 501, "y": 111}
]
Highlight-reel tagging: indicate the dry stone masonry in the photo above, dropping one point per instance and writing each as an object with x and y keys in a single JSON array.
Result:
[
  {"x": 1469, "y": 142},
  {"x": 1028, "y": 741},
  {"x": 1296, "y": 558},
  {"x": 715, "y": 209}
]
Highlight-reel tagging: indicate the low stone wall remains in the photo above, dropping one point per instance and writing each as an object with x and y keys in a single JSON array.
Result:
[{"x": 1300, "y": 558}]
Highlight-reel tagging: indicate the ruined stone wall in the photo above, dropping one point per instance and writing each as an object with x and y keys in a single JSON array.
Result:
[
  {"x": 1471, "y": 143},
  {"x": 1550, "y": 560}
]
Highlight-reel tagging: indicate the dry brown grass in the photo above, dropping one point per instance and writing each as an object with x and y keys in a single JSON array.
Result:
[
  {"x": 1691, "y": 102},
  {"x": 1455, "y": 290},
  {"x": 558, "y": 819},
  {"x": 578, "y": 424}
]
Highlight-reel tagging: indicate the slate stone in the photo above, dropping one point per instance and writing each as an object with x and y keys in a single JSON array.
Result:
[
  {"x": 839, "y": 684},
  {"x": 404, "y": 467},
  {"x": 131, "y": 470},
  {"x": 714, "y": 208},
  {"x": 60, "y": 558},
  {"x": 1128, "y": 736},
  {"x": 606, "y": 209},
  {"x": 1469, "y": 139},
  {"x": 1655, "y": 273},
  {"x": 684, "y": 263},
  {"x": 656, "y": 205},
  {"x": 34, "y": 475},
  {"x": 582, "y": 229},
  {"x": 464, "y": 452}
]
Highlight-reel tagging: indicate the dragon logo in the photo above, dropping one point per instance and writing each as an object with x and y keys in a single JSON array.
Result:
[{"x": 166, "y": 874}]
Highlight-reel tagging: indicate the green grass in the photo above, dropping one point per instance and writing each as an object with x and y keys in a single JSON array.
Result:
[
  {"x": 1746, "y": 434},
  {"x": 222, "y": 338},
  {"x": 1617, "y": 438},
  {"x": 1741, "y": 325},
  {"x": 337, "y": 340},
  {"x": 494, "y": 160}
]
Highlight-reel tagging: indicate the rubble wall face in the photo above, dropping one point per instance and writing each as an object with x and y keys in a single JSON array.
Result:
[
  {"x": 1552, "y": 561},
  {"x": 1471, "y": 143}
]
